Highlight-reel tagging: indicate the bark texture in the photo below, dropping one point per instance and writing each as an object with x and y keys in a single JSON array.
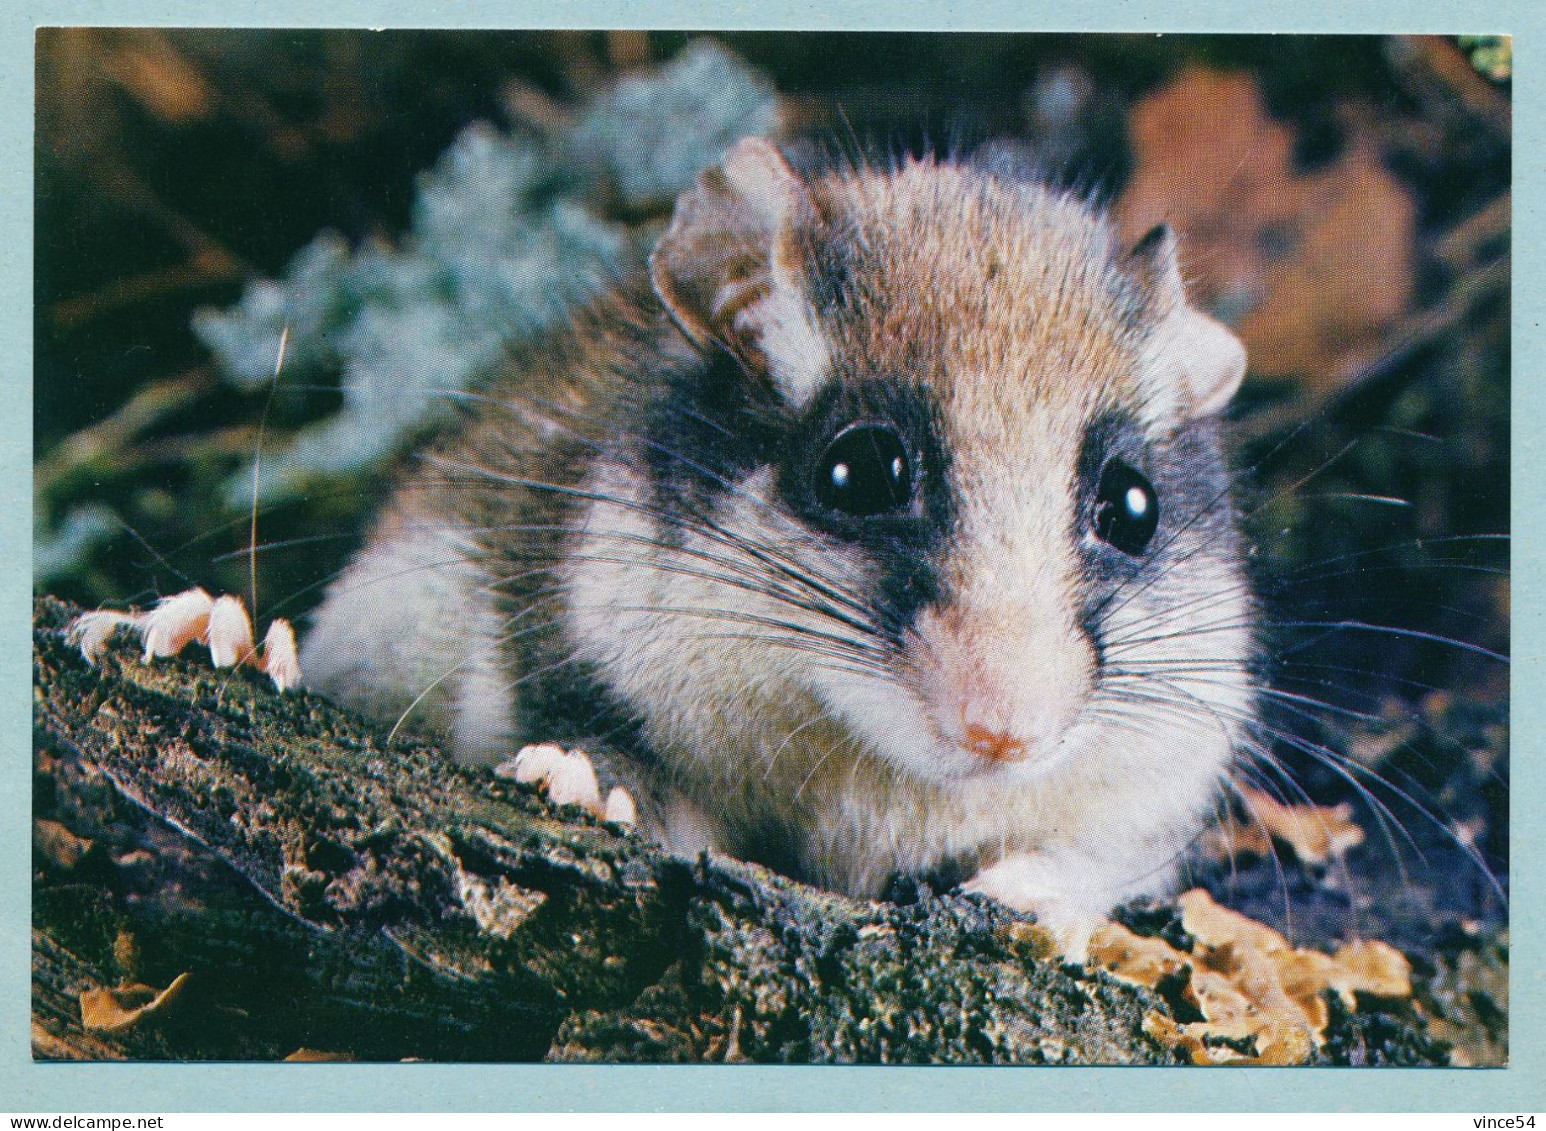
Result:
[{"x": 332, "y": 895}]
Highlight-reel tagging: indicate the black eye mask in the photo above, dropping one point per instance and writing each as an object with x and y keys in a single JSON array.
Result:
[
  {"x": 1146, "y": 506},
  {"x": 865, "y": 466}
]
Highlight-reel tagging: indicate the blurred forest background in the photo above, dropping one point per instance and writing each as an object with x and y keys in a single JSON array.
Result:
[{"x": 399, "y": 206}]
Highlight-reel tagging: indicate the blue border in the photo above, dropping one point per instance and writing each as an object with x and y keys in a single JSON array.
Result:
[{"x": 25, "y": 1086}]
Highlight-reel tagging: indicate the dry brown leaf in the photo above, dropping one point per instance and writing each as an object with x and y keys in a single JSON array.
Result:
[
  {"x": 1167, "y": 1032},
  {"x": 159, "y": 77},
  {"x": 1215, "y": 926},
  {"x": 1310, "y": 268},
  {"x": 113, "y": 1010},
  {"x": 1284, "y": 1047},
  {"x": 1305, "y": 974},
  {"x": 1276, "y": 1019},
  {"x": 1134, "y": 958},
  {"x": 1229, "y": 839},
  {"x": 1372, "y": 967},
  {"x": 1226, "y": 1010},
  {"x": 1316, "y": 833},
  {"x": 1247, "y": 983}
]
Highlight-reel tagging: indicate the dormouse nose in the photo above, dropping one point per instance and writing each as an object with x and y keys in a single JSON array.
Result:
[
  {"x": 1015, "y": 721},
  {"x": 994, "y": 745},
  {"x": 1004, "y": 686}
]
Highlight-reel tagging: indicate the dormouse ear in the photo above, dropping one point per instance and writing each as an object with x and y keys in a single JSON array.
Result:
[
  {"x": 721, "y": 268},
  {"x": 1197, "y": 351}
]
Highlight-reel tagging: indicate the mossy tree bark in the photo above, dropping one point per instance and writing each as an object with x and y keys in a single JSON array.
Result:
[{"x": 327, "y": 891}]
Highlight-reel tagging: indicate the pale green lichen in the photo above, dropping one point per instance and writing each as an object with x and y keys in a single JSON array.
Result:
[{"x": 504, "y": 239}]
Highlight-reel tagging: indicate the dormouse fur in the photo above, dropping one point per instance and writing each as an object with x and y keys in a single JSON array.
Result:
[{"x": 882, "y": 529}]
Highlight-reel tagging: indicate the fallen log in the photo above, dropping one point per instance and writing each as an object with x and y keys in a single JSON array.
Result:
[{"x": 225, "y": 872}]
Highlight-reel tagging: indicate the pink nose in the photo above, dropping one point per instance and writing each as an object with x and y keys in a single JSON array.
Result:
[{"x": 995, "y": 746}]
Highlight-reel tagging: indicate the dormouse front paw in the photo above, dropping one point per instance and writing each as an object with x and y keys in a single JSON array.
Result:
[
  {"x": 568, "y": 778},
  {"x": 1028, "y": 883},
  {"x": 193, "y": 616}
]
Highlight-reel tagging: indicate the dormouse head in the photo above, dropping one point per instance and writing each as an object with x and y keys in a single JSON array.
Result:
[{"x": 952, "y": 451}]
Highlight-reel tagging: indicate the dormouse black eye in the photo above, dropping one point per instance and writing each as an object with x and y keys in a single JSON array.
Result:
[
  {"x": 1126, "y": 508},
  {"x": 864, "y": 471}
]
